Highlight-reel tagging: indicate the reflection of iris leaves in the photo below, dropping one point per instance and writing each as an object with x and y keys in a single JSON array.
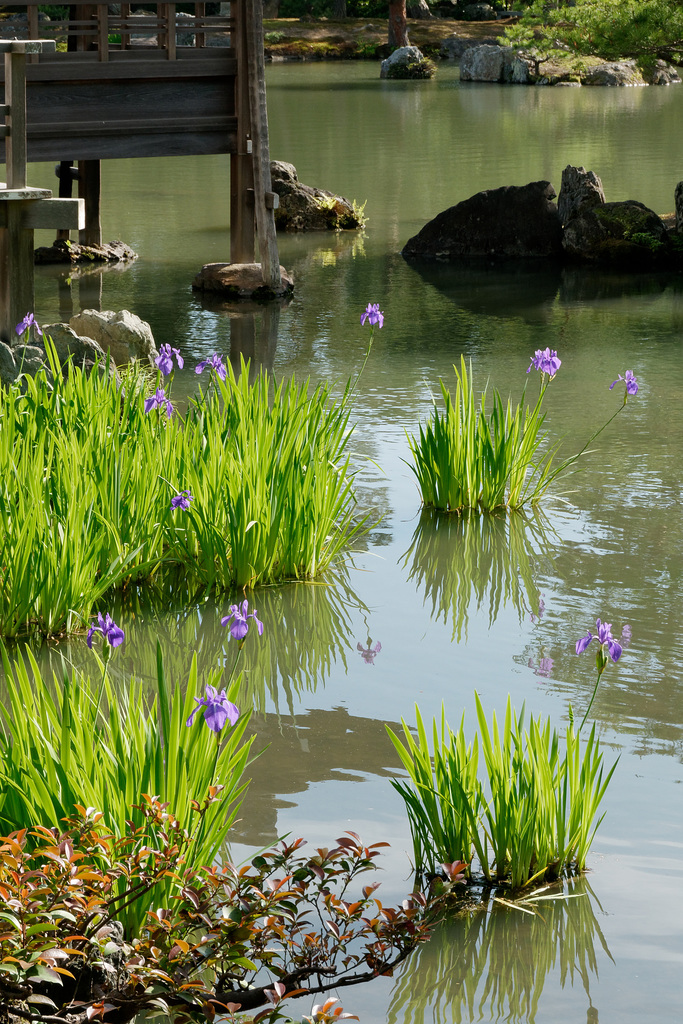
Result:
[
  {"x": 489, "y": 559},
  {"x": 494, "y": 966},
  {"x": 307, "y": 628}
]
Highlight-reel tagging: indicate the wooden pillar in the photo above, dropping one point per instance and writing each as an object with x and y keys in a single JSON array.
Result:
[
  {"x": 241, "y": 174},
  {"x": 263, "y": 194},
  {"x": 65, "y": 172},
  {"x": 16, "y": 245},
  {"x": 89, "y": 189}
]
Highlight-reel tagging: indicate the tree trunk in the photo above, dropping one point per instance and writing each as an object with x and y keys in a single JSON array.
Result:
[
  {"x": 398, "y": 30},
  {"x": 339, "y": 9}
]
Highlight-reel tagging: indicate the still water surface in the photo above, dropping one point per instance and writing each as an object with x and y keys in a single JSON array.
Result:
[{"x": 455, "y": 604}]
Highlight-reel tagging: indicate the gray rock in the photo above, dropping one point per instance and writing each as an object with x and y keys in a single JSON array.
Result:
[
  {"x": 402, "y": 59},
  {"x": 482, "y": 64},
  {"x": 14, "y": 362},
  {"x": 418, "y": 9},
  {"x": 238, "y": 281},
  {"x": 123, "y": 334},
  {"x": 579, "y": 188},
  {"x": 513, "y": 221},
  {"x": 621, "y": 72},
  {"x": 83, "y": 351},
  {"x": 620, "y": 233},
  {"x": 8, "y": 366},
  {"x": 517, "y": 69},
  {"x": 479, "y": 12},
  {"x": 661, "y": 73},
  {"x": 678, "y": 199},
  {"x": 305, "y": 208}
]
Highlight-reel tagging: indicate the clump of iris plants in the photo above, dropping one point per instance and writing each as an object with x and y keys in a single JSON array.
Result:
[{"x": 474, "y": 457}]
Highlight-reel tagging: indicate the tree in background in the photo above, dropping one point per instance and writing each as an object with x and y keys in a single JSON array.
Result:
[
  {"x": 398, "y": 28},
  {"x": 611, "y": 29}
]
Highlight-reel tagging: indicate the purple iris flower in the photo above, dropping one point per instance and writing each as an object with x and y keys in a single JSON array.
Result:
[
  {"x": 372, "y": 315},
  {"x": 604, "y": 638},
  {"x": 165, "y": 359},
  {"x": 157, "y": 401},
  {"x": 182, "y": 500},
  {"x": 112, "y": 633},
  {"x": 546, "y": 360},
  {"x": 214, "y": 363},
  {"x": 369, "y": 653},
  {"x": 630, "y": 382},
  {"x": 217, "y": 709},
  {"x": 237, "y": 620},
  {"x": 28, "y": 322}
]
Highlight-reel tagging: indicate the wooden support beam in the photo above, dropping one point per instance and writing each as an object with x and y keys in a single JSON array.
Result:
[
  {"x": 89, "y": 190},
  {"x": 241, "y": 172},
  {"x": 15, "y": 118},
  {"x": 265, "y": 221}
]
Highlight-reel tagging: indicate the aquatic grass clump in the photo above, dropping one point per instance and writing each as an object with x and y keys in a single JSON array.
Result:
[
  {"x": 531, "y": 817},
  {"x": 468, "y": 458},
  {"x": 103, "y": 485},
  {"x": 79, "y": 741}
]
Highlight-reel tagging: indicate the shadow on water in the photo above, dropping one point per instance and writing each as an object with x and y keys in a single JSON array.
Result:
[
  {"x": 530, "y": 289},
  {"x": 494, "y": 964},
  {"x": 466, "y": 563}
]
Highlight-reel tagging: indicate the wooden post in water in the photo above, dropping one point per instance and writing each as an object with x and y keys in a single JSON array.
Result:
[
  {"x": 241, "y": 174},
  {"x": 264, "y": 198},
  {"x": 22, "y": 209}
]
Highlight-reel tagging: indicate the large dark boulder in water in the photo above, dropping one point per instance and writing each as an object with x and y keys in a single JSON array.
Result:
[
  {"x": 513, "y": 221},
  {"x": 624, "y": 233}
]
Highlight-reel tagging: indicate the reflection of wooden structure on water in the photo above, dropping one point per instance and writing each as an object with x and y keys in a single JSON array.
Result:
[{"x": 152, "y": 83}]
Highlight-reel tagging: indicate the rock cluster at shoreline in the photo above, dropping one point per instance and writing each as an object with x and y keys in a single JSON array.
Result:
[
  {"x": 523, "y": 221},
  {"x": 503, "y": 64}
]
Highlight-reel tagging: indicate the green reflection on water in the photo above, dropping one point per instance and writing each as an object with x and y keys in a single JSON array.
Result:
[
  {"x": 494, "y": 963},
  {"x": 277, "y": 666},
  {"x": 474, "y": 562}
]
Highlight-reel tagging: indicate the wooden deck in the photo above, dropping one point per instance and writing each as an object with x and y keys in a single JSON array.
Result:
[
  {"x": 123, "y": 86},
  {"x": 100, "y": 86}
]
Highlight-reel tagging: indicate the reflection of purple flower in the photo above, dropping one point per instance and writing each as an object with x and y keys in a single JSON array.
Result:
[
  {"x": 237, "y": 621},
  {"x": 157, "y": 401},
  {"x": 604, "y": 638},
  {"x": 630, "y": 382},
  {"x": 625, "y": 636},
  {"x": 539, "y": 613},
  {"x": 217, "y": 709},
  {"x": 368, "y": 653},
  {"x": 182, "y": 500},
  {"x": 545, "y": 360},
  {"x": 214, "y": 363},
  {"x": 28, "y": 322},
  {"x": 544, "y": 667},
  {"x": 112, "y": 633},
  {"x": 372, "y": 315},
  {"x": 165, "y": 359}
]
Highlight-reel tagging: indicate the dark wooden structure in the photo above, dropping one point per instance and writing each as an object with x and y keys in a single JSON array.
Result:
[{"x": 151, "y": 82}]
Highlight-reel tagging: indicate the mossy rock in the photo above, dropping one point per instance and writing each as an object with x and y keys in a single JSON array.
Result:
[{"x": 623, "y": 233}]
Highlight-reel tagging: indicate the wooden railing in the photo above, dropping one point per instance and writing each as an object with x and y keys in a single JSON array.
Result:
[{"x": 93, "y": 30}]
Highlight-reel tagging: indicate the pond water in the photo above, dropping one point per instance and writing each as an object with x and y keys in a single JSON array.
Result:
[{"x": 495, "y": 606}]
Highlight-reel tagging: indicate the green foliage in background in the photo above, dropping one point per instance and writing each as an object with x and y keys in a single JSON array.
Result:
[
  {"x": 78, "y": 742},
  {"x": 87, "y": 477},
  {"x": 611, "y": 29},
  {"x": 533, "y": 817}
]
